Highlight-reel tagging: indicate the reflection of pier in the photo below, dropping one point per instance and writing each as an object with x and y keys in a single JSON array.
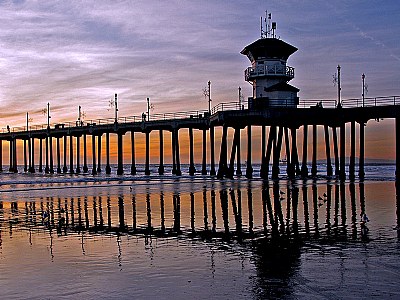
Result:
[{"x": 294, "y": 211}]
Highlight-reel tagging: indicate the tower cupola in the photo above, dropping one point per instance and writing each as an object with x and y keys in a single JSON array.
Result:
[{"x": 269, "y": 74}]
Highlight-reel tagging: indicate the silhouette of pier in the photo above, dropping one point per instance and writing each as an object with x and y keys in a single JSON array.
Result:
[{"x": 282, "y": 124}]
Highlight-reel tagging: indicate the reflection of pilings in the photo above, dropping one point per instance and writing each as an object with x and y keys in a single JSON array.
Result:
[
  {"x": 295, "y": 204},
  {"x": 72, "y": 212},
  {"x": 361, "y": 172},
  {"x": 147, "y": 162},
  {"x": 95, "y": 220},
  {"x": 288, "y": 207},
  {"x": 305, "y": 205},
  {"x": 315, "y": 206},
  {"x": 295, "y": 157},
  {"x": 250, "y": 207},
  {"x": 352, "y": 150},
  {"x": 108, "y": 167},
  {"x": 101, "y": 213},
  {"x": 278, "y": 207},
  {"x": 99, "y": 154},
  {"x": 213, "y": 211},
  {"x": 192, "y": 169},
  {"x": 353, "y": 209},
  {"x": 314, "y": 154},
  {"x": 121, "y": 214},
  {"x": 327, "y": 151},
  {"x": 212, "y": 152},
  {"x": 148, "y": 211},
  {"x": 161, "y": 166},
  {"x": 192, "y": 213},
  {"x": 177, "y": 212},
  {"x": 264, "y": 195},
  {"x": 224, "y": 207},
  {"x": 205, "y": 212},
  {"x": 249, "y": 167},
  {"x": 109, "y": 212},
  {"x": 133, "y": 156},
  {"x": 134, "y": 211},
  {"x": 267, "y": 199},
  {"x": 277, "y": 154},
  {"x": 85, "y": 209},
  {"x": 335, "y": 151},
  {"x": 328, "y": 207},
  {"x": 238, "y": 219},
  {"x": 343, "y": 204},
  {"x": 162, "y": 211},
  {"x": 204, "y": 159}
]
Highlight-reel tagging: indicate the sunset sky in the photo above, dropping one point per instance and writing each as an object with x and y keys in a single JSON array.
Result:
[{"x": 72, "y": 53}]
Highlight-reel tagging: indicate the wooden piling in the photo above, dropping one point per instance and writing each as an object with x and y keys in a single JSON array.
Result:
[
  {"x": 85, "y": 167},
  {"x": 342, "y": 151},
  {"x": 1, "y": 155},
  {"x": 40, "y": 155},
  {"x": 231, "y": 168},
  {"x": 352, "y": 150},
  {"x": 65, "y": 169},
  {"x": 108, "y": 167},
  {"x": 120, "y": 168},
  {"x": 173, "y": 147},
  {"x": 147, "y": 165},
  {"x": 287, "y": 144},
  {"x": 361, "y": 172},
  {"x": 78, "y": 154},
  {"x": 277, "y": 154},
  {"x": 264, "y": 164},
  {"x": 11, "y": 145},
  {"x": 71, "y": 154},
  {"x": 204, "y": 159},
  {"x": 25, "y": 156},
  {"x": 178, "y": 159},
  {"x": 295, "y": 157},
  {"x": 192, "y": 168},
  {"x": 336, "y": 151},
  {"x": 32, "y": 170},
  {"x": 238, "y": 154},
  {"x": 99, "y": 153},
  {"x": 304, "y": 168},
  {"x": 94, "y": 169},
  {"x": 314, "y": 157},
  {"x": 223, "y": 153},
  {"x": 397, "y": 124},
  {"x": 161, "y": 166},
  {"x": 58, "y": 155},
  {"x": 270, "y": 145},
  {"x": 51, "y": 168},
  {"x": 327, "y": 151},
  {"x": 133, "y": 156},
  {"x": 249, "y": 167},
  {"x": 212, "y": 152}
]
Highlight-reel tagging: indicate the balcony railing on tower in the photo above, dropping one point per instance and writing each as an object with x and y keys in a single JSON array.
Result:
[{"x": 277, "y": 70}]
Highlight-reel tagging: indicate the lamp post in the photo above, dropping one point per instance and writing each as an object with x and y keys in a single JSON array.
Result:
[
  {"x": 207, "y": 93},
  {"x": 48, "y": 115},
  {"x": 363, "y": 88}
]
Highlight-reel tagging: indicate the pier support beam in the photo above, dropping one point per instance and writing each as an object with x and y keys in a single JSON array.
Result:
[
  {"x": 335, "y": 151},
  {"x": 223, "y": 153},
  {"x": 10, "y": 169},
  {"x": 99, "y": 153},
  {"x": 264, "y": 165},
  {"x": 133, "y": 156},
  {"x": 65, "y": 169},
  {"x": 58, "y": 155},
  {"x": 1, "y": 155},
  {"x": 78, "y": 154},
  {"x": 15, "y": 168},
  {"x": 343, "y": 151},
  {"x": 108, "y": 167},
  {"x": 270, "y": 144},
  {"x": 327, "y": 151},
  {"x": 231, "y": 168},
  {"x": 287, "y": 143},
  {"x": 314, "y": 157},
  {"x": 85, "y": 167},
  {"x": 147, "y": 166},
  {"x": 161, "y": 166},
  {"x": 295, "y": 157},
  {"x": 304, "y": 168},
  {"x": 173, "y": 144},
  {"x": 192, "y": 168},
  {"x": 25, "y": 157},
  {"x": 352, "y": 150},
  {"x": 238, "y": 154},
  {"x": 249, "y": 167},
  {"x": 361, "y": 162},
  {"x": 94, "y": 169},
  {"x": 40, "y": 155},
  {"x": 51, "y": 167},
  {"x": 120, "y": 169},
  {"x": 31, "y": 146},
  {"x": 204, "y": 160},
  {"x": 71, "y": 155},
  {"x": 47, "y": 169},
  {"x": 212, "y": 152},
  {"x": 397, "y": 149},
  {"x": 178, "y": 158}
]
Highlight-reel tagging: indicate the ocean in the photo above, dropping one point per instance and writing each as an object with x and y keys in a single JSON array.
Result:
[{"x": 165, "y": 237}]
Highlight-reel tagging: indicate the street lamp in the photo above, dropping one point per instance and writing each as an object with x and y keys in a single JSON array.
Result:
[
  {"x": 47, "y": 111},
  {"x": 150, "y": 106},
  {"x": 81, "y": 116},
  {"x": 207, "y": 93},
  {"x": 115, "y": 104},
  {"x": 363, "y": 88}
]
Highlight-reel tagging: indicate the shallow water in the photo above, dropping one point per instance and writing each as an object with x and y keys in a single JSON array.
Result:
[{"x": 198, "y": 238}]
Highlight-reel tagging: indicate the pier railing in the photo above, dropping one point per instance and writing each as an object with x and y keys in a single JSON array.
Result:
[{"x": 198, "y": 114}]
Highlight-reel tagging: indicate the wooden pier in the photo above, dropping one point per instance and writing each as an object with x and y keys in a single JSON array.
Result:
[{"x": 282, "y": 122}]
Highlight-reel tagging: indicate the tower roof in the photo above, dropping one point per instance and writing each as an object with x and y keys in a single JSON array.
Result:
[
  {"x": 282, "y": 86},
  {"x": 268, "y": 48}
]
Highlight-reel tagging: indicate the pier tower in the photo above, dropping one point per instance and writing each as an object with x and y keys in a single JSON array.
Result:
[{"x": 269, "y": 74}]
